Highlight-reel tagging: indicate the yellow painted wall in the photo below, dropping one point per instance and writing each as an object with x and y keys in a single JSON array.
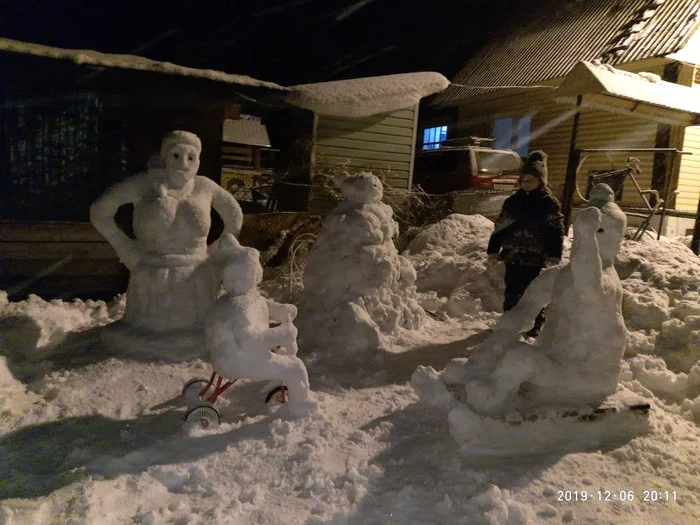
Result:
[{"x": 383, "y": 144}]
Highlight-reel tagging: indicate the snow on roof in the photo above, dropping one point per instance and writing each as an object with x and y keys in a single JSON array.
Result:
[
  {"x": 641, "y": 88},
  {"x": 96, "y": 58},
  {"x": 362, "y": 97},
  {"x": 246, "y": 131}
]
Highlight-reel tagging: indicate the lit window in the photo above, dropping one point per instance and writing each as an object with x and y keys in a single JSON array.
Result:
[
  {"x": 510, "y": 133},
  {"x": 433, "y": 137}
]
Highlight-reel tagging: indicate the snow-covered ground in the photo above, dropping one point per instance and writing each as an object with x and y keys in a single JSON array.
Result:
[{"x": 90, "y": 437}]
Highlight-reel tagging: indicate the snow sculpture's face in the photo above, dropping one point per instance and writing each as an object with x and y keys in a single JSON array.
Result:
[
  {"x": 243, "y": 273},
  {"x": 611, "y": 231},
  {"x": 181, "y": 163},
  {"x": 362, "y": 188}
]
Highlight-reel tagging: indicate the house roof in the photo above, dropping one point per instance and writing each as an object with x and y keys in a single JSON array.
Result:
[
  {"x": 544, "y": 39},
  {"x": 644, "y": 95},
  {"x": 286, "y": 41},
  {"x": 30, "y": 66}
]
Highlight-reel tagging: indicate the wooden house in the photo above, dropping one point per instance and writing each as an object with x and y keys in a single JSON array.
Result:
[
  {"x": 312, "y": 147},
  {"x": 507, "y": 91},
  {"x": 73, "y": 123}
]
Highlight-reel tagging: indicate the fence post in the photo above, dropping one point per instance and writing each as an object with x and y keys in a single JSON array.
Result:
[
  {"x": 572, "y": 164},
  {"x": 695, "y": 243}
]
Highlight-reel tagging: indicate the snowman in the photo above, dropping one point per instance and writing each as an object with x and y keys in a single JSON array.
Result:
[
  {"x": 239, "y": 336},
  {"x": 358, "y": 290}
]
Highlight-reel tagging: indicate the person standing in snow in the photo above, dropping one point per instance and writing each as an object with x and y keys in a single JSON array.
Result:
[{"x": 529, "y": 233}]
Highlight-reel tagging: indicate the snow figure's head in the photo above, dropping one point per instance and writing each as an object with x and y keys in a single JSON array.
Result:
[
  {"x": 613, "y": 223},
  {"x": 180, "y": 152},
  {"x": 600, "y": 195},
  {"x": 242, "y": 269},
  {"x": 363, "y": 187}
]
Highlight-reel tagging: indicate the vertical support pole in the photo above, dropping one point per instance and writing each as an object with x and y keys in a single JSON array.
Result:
[
  {"x": 667, "y": 190},
  {"x": 572, "y": 164}
]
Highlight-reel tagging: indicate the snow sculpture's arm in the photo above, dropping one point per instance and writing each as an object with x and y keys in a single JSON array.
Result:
[
  {"x": 537, "y": 295},
  {"x": 227, "y": 207},
  {"x": 280, "y": 312},
  {"x": 586, "y": 265},
  {"x": 268, "y": 339},
  {"x": 102, "y": 214}
]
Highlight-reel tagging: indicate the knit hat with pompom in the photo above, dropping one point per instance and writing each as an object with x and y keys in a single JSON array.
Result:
[{"x": 536, "y": 164}]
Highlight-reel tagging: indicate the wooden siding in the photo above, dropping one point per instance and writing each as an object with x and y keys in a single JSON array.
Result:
[
  {"x": 689, "y": 178},
  {"x": 71, "y": 259},
  {"x": 58, "y": 259},
  {"x": 382, "y": 144}
]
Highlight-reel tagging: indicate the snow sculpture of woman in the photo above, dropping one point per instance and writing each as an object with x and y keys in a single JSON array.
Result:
[
  {"x": 238, "y": 333},
  {"x": 576, "y": 360},
  {"x": 172, "y": 282},
  {"x": 357, "y": 288}
]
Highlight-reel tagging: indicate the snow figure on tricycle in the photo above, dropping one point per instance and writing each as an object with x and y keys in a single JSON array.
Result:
[
  {"x": 573, "y": 366},
  {"x": 243, "y": 344}
]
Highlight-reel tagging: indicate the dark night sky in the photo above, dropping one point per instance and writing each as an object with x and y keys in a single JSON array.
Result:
[{"x": 284, "y": 41}]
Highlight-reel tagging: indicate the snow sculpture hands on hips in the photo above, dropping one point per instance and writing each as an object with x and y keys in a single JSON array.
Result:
[
  {"x": 171, "y": 283},
  {"x": 576, "y": 359},
  {"x": 238, "y": 333}
]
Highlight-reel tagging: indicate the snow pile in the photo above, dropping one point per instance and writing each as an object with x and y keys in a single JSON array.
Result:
[
  {"x": 452, "y": 270},
  {"x": 661, "y": 281},
  {"x": 98, "y": 439},
  {"x": 363, "y": 97},
  {"x": 34, "y": 325},
  {"x": 357, "y": 288}
]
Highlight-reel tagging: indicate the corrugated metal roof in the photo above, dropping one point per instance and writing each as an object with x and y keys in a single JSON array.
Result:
[{"x": 544, "y": 39}]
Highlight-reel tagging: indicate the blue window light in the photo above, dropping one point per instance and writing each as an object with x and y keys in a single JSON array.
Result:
[
  {"x": 510, "y": 133},
  {"x": 433, "y": 137}
]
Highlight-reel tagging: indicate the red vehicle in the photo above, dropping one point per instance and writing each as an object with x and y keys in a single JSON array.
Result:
[{"x": 467, "y": 167}]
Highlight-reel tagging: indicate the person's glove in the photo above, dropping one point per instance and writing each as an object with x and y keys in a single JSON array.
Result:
[
  {"x": 492, "y": 258},
  {"x": 551, "y": 261}
]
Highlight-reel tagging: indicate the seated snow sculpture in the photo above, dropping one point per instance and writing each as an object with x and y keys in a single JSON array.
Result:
[
  {"x": 238, "y": 334},
  {"x": 576, "y": 360},
  {"x": 172, "y": 281}
]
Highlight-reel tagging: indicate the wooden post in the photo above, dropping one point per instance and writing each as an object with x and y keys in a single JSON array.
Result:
[
  {"x": 572, "y": 164},
  {"x": 667, "y": 190},
  {"x": 695, "y": 243}
]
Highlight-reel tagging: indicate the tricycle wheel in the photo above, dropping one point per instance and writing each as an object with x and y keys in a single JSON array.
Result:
[
  {"x": 192, "y": 389},
  {"x": 205, "y": 416},
  {"x": 277, "y": 395}
]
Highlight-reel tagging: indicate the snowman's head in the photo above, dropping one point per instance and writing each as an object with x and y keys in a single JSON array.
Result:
[
  {"x": 363, "y": 187},
  {"x": 613, "y": 223},
  {"x": 242, "y": 270}
]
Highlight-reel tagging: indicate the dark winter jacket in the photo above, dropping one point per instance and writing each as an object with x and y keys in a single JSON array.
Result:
[{"x": 530, "y": 229}]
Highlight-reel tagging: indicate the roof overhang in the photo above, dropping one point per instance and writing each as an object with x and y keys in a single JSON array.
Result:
[
  {"x": 639, "y": 95},
  {"x": 36, "y": 67}
]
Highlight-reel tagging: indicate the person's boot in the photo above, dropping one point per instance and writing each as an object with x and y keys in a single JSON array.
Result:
[{"x": 537, "y": 328}]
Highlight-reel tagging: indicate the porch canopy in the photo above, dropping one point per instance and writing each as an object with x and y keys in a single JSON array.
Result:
[{"x": 643, "y": 95}]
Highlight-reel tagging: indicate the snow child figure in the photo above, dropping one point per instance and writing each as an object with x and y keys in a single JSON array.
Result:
[
  {"x": 358, "y": 290},
  {"x": 576, "y": 360},
  {"x": 238, "y": 334},
  {"x": 172, "y": 282},
  {"x": 529, "y": 233}
]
